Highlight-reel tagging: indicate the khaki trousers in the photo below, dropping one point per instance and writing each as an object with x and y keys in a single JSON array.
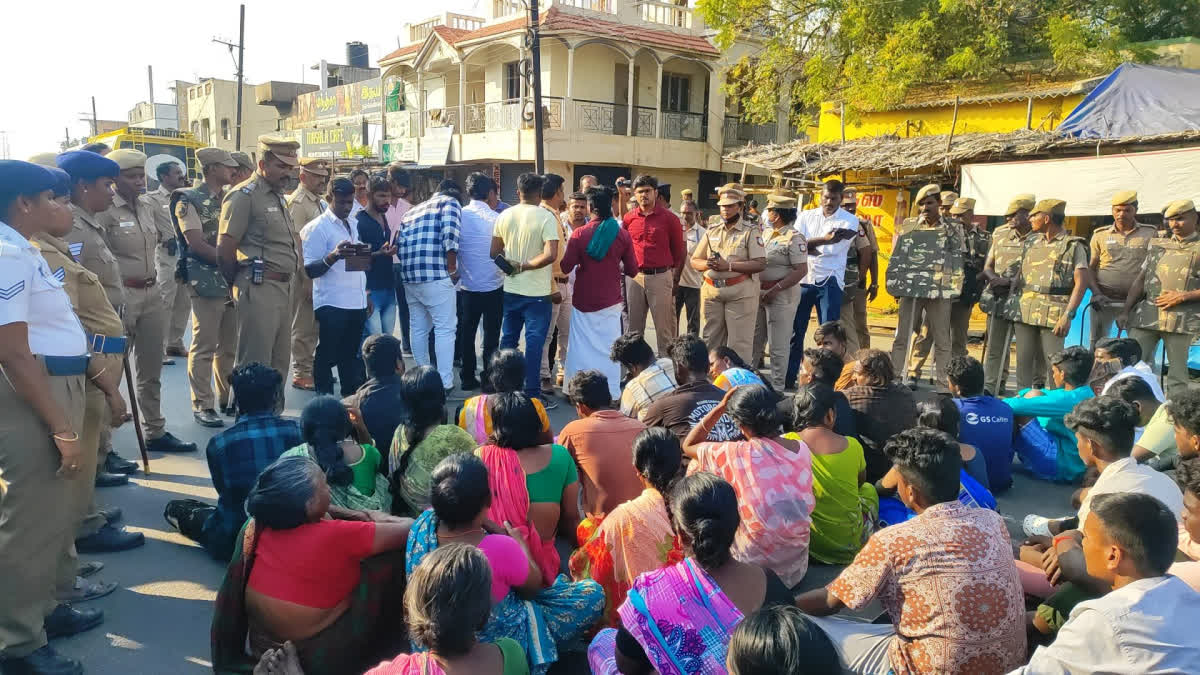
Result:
[
  {"x": 727, "y": 316},
  {"x": 995, "y": 355},
  {"x": 34, "y": 526},
  {"x": 1176, "y": 346},
  {"x": 773, "y": 328},
  {"x": 304, "y": 326},
  {"x": 653, "y": 293},
  {"x": 214, "y": 342},
  {"x": 176, "y": 298},
  {"x": 937, "y": 317},
  {"x": 78, "y": 501},
  {"x": 854, "y": 318},
  {"x": 560, "y": 317},
  {"x": 264, "y": 323},
  {"x": 1035, "y": 346},
  {"x": 145, "y": 325},
  {"x": 1102, "y": 318},
  {"x": 960, "y": 322}
]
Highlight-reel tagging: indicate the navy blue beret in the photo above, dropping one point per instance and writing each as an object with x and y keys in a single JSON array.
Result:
[
  {"x": 84, "y": 165},
  {"x": 63, "y": 187},
  {"x": 22, "y": 178}
]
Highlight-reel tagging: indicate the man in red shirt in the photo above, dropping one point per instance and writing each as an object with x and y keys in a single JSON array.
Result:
[{"x": 659, "y": 249}]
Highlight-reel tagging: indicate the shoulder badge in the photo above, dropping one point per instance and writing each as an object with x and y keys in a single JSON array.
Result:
[
  {"x": 60, "y": 273},
  {"x": 76, "y": 250},
  {"x": 182, "y": 209},
  {"x": 248, "y": 188},
  {"x": 12, "y": 291}
]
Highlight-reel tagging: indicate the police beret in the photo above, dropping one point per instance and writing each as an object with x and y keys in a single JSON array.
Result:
[
  {"x": 242, "y": 159},
  {"x": 23, "y": 178},
  {"x": 1021, "y": 201},
  {"x": 781, "y": 199},
  {"x": 45, "y": 159},
  {"x": 284, "y": 149},
  {"x": 1179, "y": 207},
  {"x": 127, "y": 158},
  {"x": 686, "y": 193},
  {"x": 931, "y": 190},
  {"x": 962, "y": 205},
  {"x": 210, "y": 156},
  {"x": 1050, "y": 206},
  {"x": 314, "y": 165},
  {"x": 84, "y": 165},
  {"x": 948, "y": 197},
  {"x": 1124, "y": 197},
  {"x": 63, "y": 187}
]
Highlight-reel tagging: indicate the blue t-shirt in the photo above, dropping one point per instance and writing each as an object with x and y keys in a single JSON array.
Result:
[{"x": 987, "y": 424}]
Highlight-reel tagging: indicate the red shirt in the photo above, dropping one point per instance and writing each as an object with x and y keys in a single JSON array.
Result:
[
  {"x": 657, "y": 238},
  {"x": 315, "y": 565},
  {"x": 597, "y": 282},
  {"x": 602, "y": 444}
]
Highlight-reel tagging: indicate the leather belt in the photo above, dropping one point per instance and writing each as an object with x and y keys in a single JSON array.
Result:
[
  {"x": 270, "y": 275},
  {"x": 768, "y": 285},
  {"x": 104, "y": 344},
  {"x": 731, "y": 281},
  {"x": 139, "y": 283},
  {"x": 653, "y": 270},
  {"x": 65, "y": 366}
]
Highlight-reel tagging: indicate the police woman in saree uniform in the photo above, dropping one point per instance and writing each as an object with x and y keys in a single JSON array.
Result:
[{"x": 43, "y": 358}]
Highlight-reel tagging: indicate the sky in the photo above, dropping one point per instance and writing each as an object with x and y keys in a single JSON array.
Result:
[{"x": 57, "y": 56}]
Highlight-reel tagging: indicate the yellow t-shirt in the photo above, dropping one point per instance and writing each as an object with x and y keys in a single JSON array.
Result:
[{"x": 525, "y": 229}]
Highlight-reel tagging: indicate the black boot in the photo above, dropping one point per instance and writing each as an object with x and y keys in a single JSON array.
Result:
[
  {"x": 168, "y": 443},
  {"x": 114, "y": 463},
  {"x": 44, "y": 661},
  {"x": 67, "y": 620},
  {"x": 109, "y": 539}
]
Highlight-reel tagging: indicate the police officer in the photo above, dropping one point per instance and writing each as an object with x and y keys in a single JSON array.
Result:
[
  {"x": 305, "y": 205},
  {"x": 256, "y": 249},
  {"x": 132, "y": 236},
  {"x": 947, "y": 199},
  {"x": 245, "y": 168},
  {"x": 1163, "y": 302},
  {"x": 1000, "y": 268},
  {"x": 1054, "y": 275},
  {"x": 861, "y": 262},
  {"x": 977, "y": 241},
  {"x": 171, "y": 176},
  {"x": 729, "y": 255},
  {"x": 1118, "y": 251},
  {"x": 196, "y": 214},
  {"x": 779, "y": 283},
  {"x": 43, "y": 359}
]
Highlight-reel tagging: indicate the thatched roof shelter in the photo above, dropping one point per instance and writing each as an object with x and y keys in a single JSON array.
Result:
[{"x": 893, "y": 154}]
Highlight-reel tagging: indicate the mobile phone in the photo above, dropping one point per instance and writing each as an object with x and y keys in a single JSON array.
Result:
[
  {"x": 716, "y": 254},
  {"x": 258, "y": 268},
  {"x": 503, "y": 264}
]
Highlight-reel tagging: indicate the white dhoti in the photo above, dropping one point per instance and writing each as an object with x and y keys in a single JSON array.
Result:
[{"x": 590, "y": 343}]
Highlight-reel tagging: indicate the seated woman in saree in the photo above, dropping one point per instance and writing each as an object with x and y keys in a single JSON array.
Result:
[
  {"x": 772, "y": 476},
  {"x": 448, "y": 600},
  {"x": 535, "y": 485},
  {"x": 421, "y": 441},
  {"x": 542, "y": 618},
  {"x": 637, "y": 536},
  {"x": 351, "y": 464},
  {"x": 506, "y": 374},
  {"x": 727, "y": 370},
  {"x": 679, "y": 619},
  {"x": 299, "y": 575},
  {"x": 781, "y": 640},
  {"x": 847, "y": 506}
]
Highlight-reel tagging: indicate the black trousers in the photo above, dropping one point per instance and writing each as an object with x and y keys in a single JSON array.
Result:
[
  {"x": 476, "y": 307},
  {"x": 402, "y": 310},
  {"x": 339, "y": 335},
  {"x": 689, "y": 297}
]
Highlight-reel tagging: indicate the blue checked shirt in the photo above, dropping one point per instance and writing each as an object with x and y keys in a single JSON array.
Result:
[
  {"x": 236, "y": 457},
  {"x": 427, "y": 232}
]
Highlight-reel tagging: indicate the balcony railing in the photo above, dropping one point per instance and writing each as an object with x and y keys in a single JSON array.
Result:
[
  {"x": 419, "y": 31},
  {"x": 739, "y": 133},
  {"x": 665, "y": 13},
  {"x": 503, "y": 8},
  {"x": 599, "y": 117},
  {"x": 604, "y": 6},
  {"x": 683, "y": 126},
  {"x": 442, "y": 117}
]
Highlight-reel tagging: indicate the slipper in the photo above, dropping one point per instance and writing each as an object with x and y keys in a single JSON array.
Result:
[
  {"x": 87, "y": 569},
  {"x": 1035, "y": 525},
  {"x": 86, "y": 590}
]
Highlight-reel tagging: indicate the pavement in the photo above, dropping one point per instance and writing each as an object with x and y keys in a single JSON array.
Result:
[{"x": 158, "y": 620}]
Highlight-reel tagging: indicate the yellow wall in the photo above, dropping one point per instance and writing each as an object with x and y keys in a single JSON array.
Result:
[{"x": 973, "y": 118}]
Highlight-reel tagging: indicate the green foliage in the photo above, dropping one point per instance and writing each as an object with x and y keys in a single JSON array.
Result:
[{"x": 870, "y": 54}]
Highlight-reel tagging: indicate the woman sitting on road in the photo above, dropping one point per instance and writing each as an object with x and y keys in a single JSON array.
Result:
[
  {"x": 882, "y": 407},
  {"x": 422, "y": 441},
  {"x": 350, "y": 462},
  {"x": 727, "y": 370},
  {"x": 506, "y": 374}
]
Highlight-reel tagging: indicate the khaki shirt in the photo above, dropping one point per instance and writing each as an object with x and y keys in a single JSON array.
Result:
[
  {"x": 304, "y": 207},
  {"x": 131, "y": 236},
  {"x": 738, "y": 242},
  {"x": 256, "y": 215},
  {"x": 87, "y": 245},
  {"x": 1121, "y": 256},
  {"x": 688, "y": 277},
  {"x": 786, "y": 249},
  {"x": 158, "y": 205}
]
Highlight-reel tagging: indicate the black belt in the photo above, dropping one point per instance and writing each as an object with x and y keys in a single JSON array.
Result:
[
  {"x": 104, "y": 344},
  {"x": 65, "y": 366},
  {"x": 654, "y": 270}
]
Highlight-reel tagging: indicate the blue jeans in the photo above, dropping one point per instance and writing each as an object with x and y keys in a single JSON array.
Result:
[
  {"x": 827, "y": 298},
  {"x": 383, "y": 318},
  {"x": 532, "y": 314}
]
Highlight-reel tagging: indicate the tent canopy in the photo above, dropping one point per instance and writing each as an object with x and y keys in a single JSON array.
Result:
[{"x": 1138, "y": 100}]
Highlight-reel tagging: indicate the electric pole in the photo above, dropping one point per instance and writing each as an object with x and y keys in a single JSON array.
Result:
[
  {"x": 241, "y": 49},
  {"x": 536, "y": 75},
  {"x": 95, "y": 122}
]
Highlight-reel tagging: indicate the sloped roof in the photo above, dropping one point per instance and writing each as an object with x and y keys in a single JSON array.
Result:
[
  {"x": 996, "y": 91},
  {"x": 1138, "y": 99}
]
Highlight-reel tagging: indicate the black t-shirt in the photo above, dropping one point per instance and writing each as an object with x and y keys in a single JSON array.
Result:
[
  {"x": 683, "y": 408},
  {"x": 371, "y": 231}
]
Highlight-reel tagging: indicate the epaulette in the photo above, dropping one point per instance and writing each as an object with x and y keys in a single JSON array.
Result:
[{"x": 248, "y": 188}]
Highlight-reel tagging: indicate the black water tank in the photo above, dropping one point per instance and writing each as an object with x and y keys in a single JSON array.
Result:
[{"x": 357, "y": 55}]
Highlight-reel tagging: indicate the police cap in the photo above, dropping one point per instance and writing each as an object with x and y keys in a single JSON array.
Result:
[
  {"x": 210, "y": 156},
  {"x": 243, "y": 160},
  {"x": 84, "y": 165},
  {"x": 1179, "y": 207},
  {"x": 62, "y": 187},
  {"x": 283, "y": 148},
  {"x": 45, "y": 159},
  {"x": 1124, "y": 197},
  {"x": 23, "y": 178},
  {"x": 781, "y": 199},
  {"x": 1055, "y": 207},
  {"x": 931, "y": 190},
  {"x": 1021, "y": 201},
  {"x": 948, "y": 197},
  {"x": 127, "y": 158},
  {"x": 314, "y": 165},
  {"x": 962, "y": 205}
]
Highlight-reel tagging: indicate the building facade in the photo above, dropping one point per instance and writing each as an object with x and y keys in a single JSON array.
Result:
[
  {"x": 146, "y": 115},
  {"x": 212, "y": 114}
]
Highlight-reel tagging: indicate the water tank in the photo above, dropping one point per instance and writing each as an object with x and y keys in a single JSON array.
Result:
[{"x": 357, "y": 55}]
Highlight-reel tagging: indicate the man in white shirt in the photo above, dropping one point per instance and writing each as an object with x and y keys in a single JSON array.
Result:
[
  {"x": 1146, "y": 622},
  {"x": 395, "y": 215},
  {"x": 829, "y": 230},
  {"x": 1129, "y": 353},
  {"x": 339, "y": 295},
  {"x": 481, "y": 287}
]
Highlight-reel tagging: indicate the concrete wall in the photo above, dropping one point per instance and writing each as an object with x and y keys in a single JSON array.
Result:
[
  {"x": 972, "y": 118},
  {"x": 218, "y": 102}
]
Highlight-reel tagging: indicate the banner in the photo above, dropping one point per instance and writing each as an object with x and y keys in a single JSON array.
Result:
[
  {"x": 348, "y": 100},
  {"x": 400, "y": 150}
]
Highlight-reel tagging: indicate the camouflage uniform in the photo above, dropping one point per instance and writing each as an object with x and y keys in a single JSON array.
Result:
[
  {"x": 1172, "y": 264},
  {"x": 925, "y": 273},
  {"x": 1007, "y": 247},
  {"x": 976, "y": 242},
  {"x": 1044, "y": 289},
  {"x": 854, "y": 298}
]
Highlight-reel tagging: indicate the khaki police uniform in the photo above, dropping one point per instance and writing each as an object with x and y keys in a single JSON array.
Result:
[
  {"x": 729, "y": 300},
  {"x": 34, "y": 525},
  {"x": 786, "y": 250},
  {"x": 304, "y": 207},
  {"x": 105, "y": 334},
  {"x": 1119, "y": 257},
  {"x": 255, "y": 214},
  {"x": 214, "y": 317},
  {"x": 132, "y": 237},
  {"x": 1004, "y": 258},
  {"x": 176, "y": 302},
  {"x": 853, "y": 316}
]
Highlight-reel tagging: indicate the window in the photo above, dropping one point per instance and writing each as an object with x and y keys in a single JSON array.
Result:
[
  {"x": 196, "y": 129},
  {"x": 513, "y": 82},
  {"x": 676, "y": 93},
  {"x": 225, "y": 128},
  {"x": 208, "y": 88}
]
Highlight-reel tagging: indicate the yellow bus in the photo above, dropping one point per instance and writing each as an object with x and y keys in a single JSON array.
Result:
[{"x": 160, "y": 145}]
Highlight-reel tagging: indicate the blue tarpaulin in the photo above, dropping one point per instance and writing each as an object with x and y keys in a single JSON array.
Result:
[{"x": 1138, "y": 100}]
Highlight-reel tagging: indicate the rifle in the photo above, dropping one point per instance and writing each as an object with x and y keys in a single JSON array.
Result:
[{"x": 137, "y": 417}]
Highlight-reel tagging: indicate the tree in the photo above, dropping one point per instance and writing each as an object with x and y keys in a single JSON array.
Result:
[{"x": 869, "y": 54}]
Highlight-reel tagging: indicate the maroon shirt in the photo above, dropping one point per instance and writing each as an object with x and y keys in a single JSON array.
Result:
[
  {"x": 657, "y": 238},
  {"x": 597, "y": 282}
]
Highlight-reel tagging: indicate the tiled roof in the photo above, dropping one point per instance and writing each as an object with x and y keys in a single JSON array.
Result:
[
  {"x": 997, "y": 91},
  {"x": 450, "y": 35}
]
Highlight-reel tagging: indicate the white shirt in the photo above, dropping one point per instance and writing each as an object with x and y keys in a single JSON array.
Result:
[
  {"x": 830, "y": 259},
  {"x": 337, "y": 287},
  {"x": 1127, "y": 475},
  {"x": 1140, "y": 369},
  {"x": 1148, "y": 626},
  {"x": 479, "y": 272},
  {"x": 30, "y": 294}
]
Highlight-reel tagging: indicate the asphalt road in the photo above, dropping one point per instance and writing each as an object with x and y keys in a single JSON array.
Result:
[{"x": 158, "y": 620}]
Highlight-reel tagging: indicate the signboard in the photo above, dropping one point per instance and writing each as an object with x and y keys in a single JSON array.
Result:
[
  {"x": 348, "y": 100},
  {"x": 331, "y": 142},
  {"x": 435, "y": 146},
  {"x": 400, "y": 150}
]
